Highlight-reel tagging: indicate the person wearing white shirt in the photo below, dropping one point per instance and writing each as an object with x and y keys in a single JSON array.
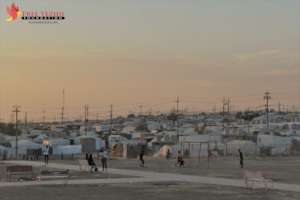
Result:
[
  {"x": 104, "y": 157},
  {"x": 46, "y": 155}
]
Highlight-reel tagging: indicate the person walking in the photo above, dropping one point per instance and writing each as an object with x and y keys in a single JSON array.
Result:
[
  {"x": 92, "y": 163},
  {"x": 180, "y": 161},
  {"x": 104, "y": 158},
  {"x": 241, "y": 159},
  {"x": 168, "y": 154},
  {"x": 142, "y": 164},
  {"x": 46, "y": 154}
]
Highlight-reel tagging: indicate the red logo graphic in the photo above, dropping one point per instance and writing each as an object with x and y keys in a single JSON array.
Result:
[{"x": 13, "y": 12}]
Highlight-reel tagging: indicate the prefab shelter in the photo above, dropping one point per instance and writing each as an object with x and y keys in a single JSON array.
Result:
[{"x": 89, "y": 144}]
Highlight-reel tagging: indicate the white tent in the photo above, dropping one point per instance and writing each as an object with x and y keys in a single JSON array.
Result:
[
  {"x": 3, "y": 150},
  {"x": 246, "y": 146},
  {"x": 58, "y": 141},
  {"x": 23, "y": 145},
  {"x": 40, "y": 138},
  {"x": 67, "y": 149},
  {"x": 201, "y": 138},
  {"x": 279, "y": 145},
  {"x": 163, "y": 151}
]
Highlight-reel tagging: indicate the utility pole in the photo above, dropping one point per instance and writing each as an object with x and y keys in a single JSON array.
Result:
[
  {"x": 228, "y": 105},
  {"x": 214, "y": 109},
  {"x": 106, "y": 137},
  {"x": 267, "y": 97},
  {"x": 63, "y": 107},
  {"x": 141, "y": 109},
  {"x": 16, "y": 111},
  {"x": 97, "y": 118},
  {"x": 12, "y": 118},
  {"x": 44, "y": 116},
  {"x": 111, "y": 118},
  {"x": 177, "y": 105},
  {"x": 86, "y": 117},
  {"x": 223, "y": 110},
  {"x": 279, "y": 107},
  {"x": 294, "y": 108},
  {"x": 177, "y": 117},
  {"x": 25, "y": 120}
]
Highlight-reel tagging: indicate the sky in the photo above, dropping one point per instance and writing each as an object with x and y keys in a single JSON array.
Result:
[{"x": 139, "y": 55}]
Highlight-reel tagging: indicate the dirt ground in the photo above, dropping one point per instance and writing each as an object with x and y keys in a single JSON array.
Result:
[
  {"x": 280, "y": 169},
  {"x": 46, "y": 174},
  {"x": 145, "y": 191}
]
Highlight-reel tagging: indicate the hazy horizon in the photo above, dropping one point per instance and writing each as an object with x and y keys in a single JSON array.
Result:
[{"x": 132, "y": 53}]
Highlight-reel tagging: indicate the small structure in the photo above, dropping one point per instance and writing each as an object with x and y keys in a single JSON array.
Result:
[{"x": 277, "y": 145}]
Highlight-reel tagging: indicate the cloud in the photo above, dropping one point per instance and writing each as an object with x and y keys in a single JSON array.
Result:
[
  {"x": 256, "y": 55},
  {"x": 284, "y": 72}
]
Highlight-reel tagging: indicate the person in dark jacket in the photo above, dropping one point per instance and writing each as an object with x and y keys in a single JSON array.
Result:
[
  {"x": 92, "y": 163},
  {"x": 241, "y": 159},
  {"x": 142, "y": 158},
  {"x": 180, "y": 161},
  {"x": 168, "y": 154}
]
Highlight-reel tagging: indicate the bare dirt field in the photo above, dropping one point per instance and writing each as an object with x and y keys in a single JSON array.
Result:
[
  {"x": 142, "y": 191},
  {"x": 280, "y": 169}
]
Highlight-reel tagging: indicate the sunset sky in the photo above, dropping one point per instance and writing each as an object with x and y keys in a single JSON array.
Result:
[{"x": 148, "y": 52}]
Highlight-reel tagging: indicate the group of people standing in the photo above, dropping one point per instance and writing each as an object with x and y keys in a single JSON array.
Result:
[
  {"x": 103, "y": 154},
  {"x": 179, "y": 157},
  {"x": 180, "y": 161}
]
